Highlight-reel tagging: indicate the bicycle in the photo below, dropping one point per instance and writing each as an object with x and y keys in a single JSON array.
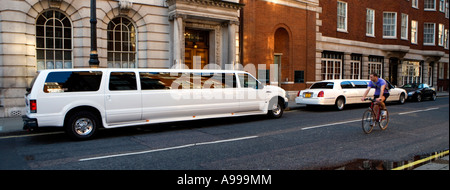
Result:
[{"x": 370, "y": 119}]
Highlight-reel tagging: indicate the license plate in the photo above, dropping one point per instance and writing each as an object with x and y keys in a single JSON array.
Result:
[{"x": 307, "y": 95}]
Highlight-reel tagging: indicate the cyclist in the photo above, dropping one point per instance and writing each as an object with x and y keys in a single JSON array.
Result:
[{"x": 381, "y": 92}]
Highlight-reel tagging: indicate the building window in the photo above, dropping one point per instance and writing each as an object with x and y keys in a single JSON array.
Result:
[
  {"x": 389, "y": 25},
  {"x": 299, "y": 76},
  {"x": 375, "y": 65},
  {"x": 342, "y": 16},
  {"x": 411, "y": 72},
  {"x": 446, "y": 38},
  {"x": 370, "y": 22},
  {"x": 446, "y": 9},
  {"x": 441, "y": 35},
  {"x": 414, "y": 31},
  {"x": 429, "y": 5},
  {"x": 355, "y": 66},
  {"x": 415, "y": 3},
  {"x": 441, "y": 70},
  {"x": 53, "y": 41},
  {"x": 428, "y": 33},
  {"x": 404, "y": 29},
  {"x": 331, "y": 65},
  {"x": 442, "y": 5},
  {"x": 121, "y": 43}
]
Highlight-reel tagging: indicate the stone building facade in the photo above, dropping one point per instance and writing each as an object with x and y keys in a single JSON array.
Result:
[{"x": 55, "y": 34}]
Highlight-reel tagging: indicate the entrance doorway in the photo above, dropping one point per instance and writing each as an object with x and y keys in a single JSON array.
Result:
[{"x": 196, "y": 48}]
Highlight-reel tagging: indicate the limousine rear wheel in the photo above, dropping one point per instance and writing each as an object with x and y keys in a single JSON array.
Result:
[
  {"x": 82, "y": 125},
  {"x": 275, "y": 109}
]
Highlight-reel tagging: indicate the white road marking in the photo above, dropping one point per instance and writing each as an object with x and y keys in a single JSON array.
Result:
[
  {"x": 164, "y": 149},
  {"x": 331, "y": 124},
  {"x": 429, "y": 109}
]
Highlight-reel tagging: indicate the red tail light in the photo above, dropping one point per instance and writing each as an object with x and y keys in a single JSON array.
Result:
[
  {"x": 321, "y": 94},
  {"x": 298, "y": 94},
  {"x": 33, "y": 106}
]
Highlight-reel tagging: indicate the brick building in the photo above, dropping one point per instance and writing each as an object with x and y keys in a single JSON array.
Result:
[
  {"x": 281, "y": 33},
  {"x": 403, "y": 40}
]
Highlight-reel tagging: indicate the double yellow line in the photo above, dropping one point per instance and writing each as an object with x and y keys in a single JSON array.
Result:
[{"x": 422, "y": 160}]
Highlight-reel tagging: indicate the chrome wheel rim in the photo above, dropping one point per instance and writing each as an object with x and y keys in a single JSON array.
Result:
[
  {"x": 83, "y": 126},
  {"x": 276, "y": 109}
]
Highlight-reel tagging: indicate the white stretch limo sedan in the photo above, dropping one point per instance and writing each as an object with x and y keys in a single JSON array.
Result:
[{"x": 341, "y": 92}]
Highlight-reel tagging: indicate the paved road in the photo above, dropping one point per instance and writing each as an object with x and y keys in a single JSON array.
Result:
[{"x": 303, "y": 139}]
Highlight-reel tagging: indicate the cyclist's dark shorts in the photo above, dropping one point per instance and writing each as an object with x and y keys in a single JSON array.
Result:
[{"x": 386, "y": 96}]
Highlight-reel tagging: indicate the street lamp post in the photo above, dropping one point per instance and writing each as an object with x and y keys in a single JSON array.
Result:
[{"x": 93, "y": 57}]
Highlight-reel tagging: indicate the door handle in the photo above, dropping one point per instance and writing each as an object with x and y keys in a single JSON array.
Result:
[{"x": 108, "y": 97}]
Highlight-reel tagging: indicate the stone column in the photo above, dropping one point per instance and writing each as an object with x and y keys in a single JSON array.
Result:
[
  {"x": 232, "y": 43},
  {"x": 365, "y": 67},
  {"x": 178, "y": 35}
]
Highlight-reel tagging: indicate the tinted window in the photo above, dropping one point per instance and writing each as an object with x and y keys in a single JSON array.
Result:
[
  {"x": 247, "y": 81},
  {"x": 156, "y": 80},
  {"x": 346, "y": 85},
  {"x": 68, "y": 81},
  {"x": 360, "y": 84},
  {"x": 322, "y": 85},
  {"x": 122, "y": 81},
  {"x": 218, "y": 80}
]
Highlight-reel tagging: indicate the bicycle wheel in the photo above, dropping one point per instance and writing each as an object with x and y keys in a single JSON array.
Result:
[
  {"x": 384, "y": 121},
  {"x": 368, "y": 121}
]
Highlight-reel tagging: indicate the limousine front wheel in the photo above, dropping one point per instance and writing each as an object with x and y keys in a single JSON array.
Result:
[
  {"x": 275, "y": 109},
  {"x": 82, "y": 125}
]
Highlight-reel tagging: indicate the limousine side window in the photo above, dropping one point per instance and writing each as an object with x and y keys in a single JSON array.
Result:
[
  {"x": 218, "y": 80},
  {"x": 72, "y": 81},
  {"x": 346, "y": 85},
  {"x": 156, "y": 80},
  {"x": 360, "y": 84},
  {"x": 247, "y": 81},
  {"x": 122, "y": 81}
]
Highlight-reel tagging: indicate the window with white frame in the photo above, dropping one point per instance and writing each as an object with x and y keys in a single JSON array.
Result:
[
  {"x": 442, "y": 5},
  {"x": 355, "y": 66},
  {"x": 415, "y": 3},
  {"x": 414, "y": 30},
  {"x": 429, "y": 5},
  {"x": 446, "y": 9},
  {"x": 331, "y": 65},
  {"x": 121, "y": 43},
  {"x": 53, "y": 41},
  {"x": 389, "y": 24},
  {"x": 428, "y": 33},
  {"x": 342, "y": 16},
  {"x": 446, "y": 38},
  {"x": 370, "y": 22},
  {"x": 441, "y": 70},
  {"x": 404, "y": 27},
  {"x": 441, "y": 35},
  {"x": 411, "y": 72},
  {"x": 375, "y": 65}
]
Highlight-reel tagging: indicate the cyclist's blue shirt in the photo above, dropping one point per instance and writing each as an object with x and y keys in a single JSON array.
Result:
[{"x": 377, "y": 85}]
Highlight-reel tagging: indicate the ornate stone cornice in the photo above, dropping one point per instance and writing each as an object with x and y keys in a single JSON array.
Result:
[{"x": 213, "y": 3}]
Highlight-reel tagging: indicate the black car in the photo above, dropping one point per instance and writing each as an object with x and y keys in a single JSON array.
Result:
[{"x": 419, "y": 91}]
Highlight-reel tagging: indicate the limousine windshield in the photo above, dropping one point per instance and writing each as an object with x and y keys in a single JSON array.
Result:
[{"x": 322, "y": 85}]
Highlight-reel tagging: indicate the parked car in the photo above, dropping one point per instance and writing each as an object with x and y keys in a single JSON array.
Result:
[
  {"x": 342, "y": 92},
  {"x": 419, "y": 91},
  {"x": 83, "y": 100}
]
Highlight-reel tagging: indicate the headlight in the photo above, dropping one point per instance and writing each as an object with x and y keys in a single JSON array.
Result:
[{"x": 410, "y": 93}]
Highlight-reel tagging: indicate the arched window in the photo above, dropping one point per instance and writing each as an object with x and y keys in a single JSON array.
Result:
[
  {"x": 53, "y": 41},
  {"x": 121, "y": 43}
]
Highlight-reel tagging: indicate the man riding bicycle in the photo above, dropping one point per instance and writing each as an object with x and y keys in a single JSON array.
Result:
[{"x": 380, "y": 86}]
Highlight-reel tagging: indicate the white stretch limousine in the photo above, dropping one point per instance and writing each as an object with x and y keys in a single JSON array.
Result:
[
  {"x": 82, "y": 100},
  {"x": 341, "y": 92}
]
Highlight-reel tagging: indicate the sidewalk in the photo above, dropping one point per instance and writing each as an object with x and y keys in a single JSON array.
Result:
[{"x": 439, "y": 164}]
